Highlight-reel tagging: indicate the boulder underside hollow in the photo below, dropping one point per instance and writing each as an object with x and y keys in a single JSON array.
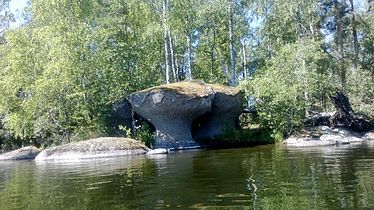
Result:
[{"x": 174, "y": 108}]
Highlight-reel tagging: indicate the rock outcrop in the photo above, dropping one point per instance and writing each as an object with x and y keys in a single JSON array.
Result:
[
  {"x": 226, "y": 107},
  {"x": 121, "y": 114},
  {"x": 325, "y": 136},
  {"x": 173, "y": 109},
  {"x": 94, "y": 148},
  {"x": 29, "y": 152}
]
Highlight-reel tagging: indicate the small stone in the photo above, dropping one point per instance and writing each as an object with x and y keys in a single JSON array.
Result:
[
  {"x": 326, "y": 129},
  {"x": 158, "y": 151}
]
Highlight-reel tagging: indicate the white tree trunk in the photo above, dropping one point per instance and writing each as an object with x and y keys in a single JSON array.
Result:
[
  {"x": 164, "y": 23},
  {"x": 232, "y": 50},
  {"x": 172, "y": 61},
  {"x": 189, "y": 62}
]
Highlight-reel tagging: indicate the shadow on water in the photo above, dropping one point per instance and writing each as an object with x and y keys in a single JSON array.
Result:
[{"x": 264, "y": 177}]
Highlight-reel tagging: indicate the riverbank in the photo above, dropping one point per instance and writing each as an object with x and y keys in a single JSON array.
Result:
[
  {"x": 326, "y": 136},
  {"x": 319, "y": 136},
  {"x": 29, "y": 152},
  {"x": 89, "y": 149}
]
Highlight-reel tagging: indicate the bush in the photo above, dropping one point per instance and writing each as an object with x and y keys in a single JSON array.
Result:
[
  {"x": 144, "y": 133},
  {"x": 361, "y": 92},
  {"x": 297, "y": 79}
]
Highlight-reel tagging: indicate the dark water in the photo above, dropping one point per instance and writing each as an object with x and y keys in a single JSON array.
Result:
[{"x": 265, "y": 177}]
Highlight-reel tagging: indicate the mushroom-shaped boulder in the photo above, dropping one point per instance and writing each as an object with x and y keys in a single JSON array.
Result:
[
  {"x": 226, "y": 108},
  {"x": 171, "y": 109}
]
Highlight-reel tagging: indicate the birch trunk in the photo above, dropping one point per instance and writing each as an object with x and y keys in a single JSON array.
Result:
[
  {"x": 172, "y": 61},
  {"x": 232, "y": 50},
  {"x": 164, "y": 23},
  {"x": 189, "y": 62}
]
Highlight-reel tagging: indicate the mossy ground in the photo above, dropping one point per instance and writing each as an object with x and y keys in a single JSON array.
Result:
[
  {"x": 194, "y": 88},
  {"x": 101, "y": 144}
]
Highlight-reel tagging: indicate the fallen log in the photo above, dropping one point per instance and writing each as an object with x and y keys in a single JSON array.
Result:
[{"x": 344, "y": 116}]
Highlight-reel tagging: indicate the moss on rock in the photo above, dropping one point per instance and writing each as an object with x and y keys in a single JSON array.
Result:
[{"x": 94, "y": 148}]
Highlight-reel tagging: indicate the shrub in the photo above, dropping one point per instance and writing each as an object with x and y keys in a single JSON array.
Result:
[
  {"x": 297, "y": 79},
  {"x": 144, "y": 133}
]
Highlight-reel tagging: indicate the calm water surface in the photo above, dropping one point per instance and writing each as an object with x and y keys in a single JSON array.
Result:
[{"x": 265, "y": 177}]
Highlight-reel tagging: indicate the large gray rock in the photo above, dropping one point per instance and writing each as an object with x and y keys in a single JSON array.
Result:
[
  {"x": 324, "y": 136},
  {"x": 226, "y": 107},
  {"x": 308, "y": 142},
  {"x": 174, "y": 107},
  {"x": 29, "y": 152},
  {"x": 94, "y": 148},
  {"x": 121, "y": 115}
]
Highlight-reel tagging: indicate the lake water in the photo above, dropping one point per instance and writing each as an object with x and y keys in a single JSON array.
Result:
[{"x": 263, "y": 177}]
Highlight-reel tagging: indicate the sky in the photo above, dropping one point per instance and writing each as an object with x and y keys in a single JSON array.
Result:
[{"x": 17, "y": 4}]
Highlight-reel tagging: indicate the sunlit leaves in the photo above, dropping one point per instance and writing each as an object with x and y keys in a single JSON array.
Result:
[{"x": 298, "y": 79}]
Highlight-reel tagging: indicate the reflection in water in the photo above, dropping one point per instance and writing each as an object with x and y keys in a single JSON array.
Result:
[
  {"x": 76, "y": 185},
  {"x": 265, "y": 177}
]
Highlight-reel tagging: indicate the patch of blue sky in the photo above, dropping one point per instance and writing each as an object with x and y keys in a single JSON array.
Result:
[{"x": 17, "y": 5}]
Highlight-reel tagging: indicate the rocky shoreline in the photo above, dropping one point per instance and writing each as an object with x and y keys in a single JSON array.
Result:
[
  {"x": 94, "y": 148},
  {"x": 343, "y": 126},
  {"x": 185, "y": 111},
  {"x": 109, "y": 147},
  {"x": 106, "y": 147},
  {"x": 24, "y": 153},
  {"x": 326, "y": 136}
]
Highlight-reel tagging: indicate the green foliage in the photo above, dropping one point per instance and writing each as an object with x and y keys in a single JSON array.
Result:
[
  {"x": 361, "y": 92},
  {"x": 145, "y": 134},
  {"x": 296, "y": 80},
  {"x": 61, "y": 72},
  {"x": 69, "y": 61},
  {"x": 125, "y": 130}
]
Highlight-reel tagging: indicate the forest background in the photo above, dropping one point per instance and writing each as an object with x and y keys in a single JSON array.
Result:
[{"x": 66, "y": 62}]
